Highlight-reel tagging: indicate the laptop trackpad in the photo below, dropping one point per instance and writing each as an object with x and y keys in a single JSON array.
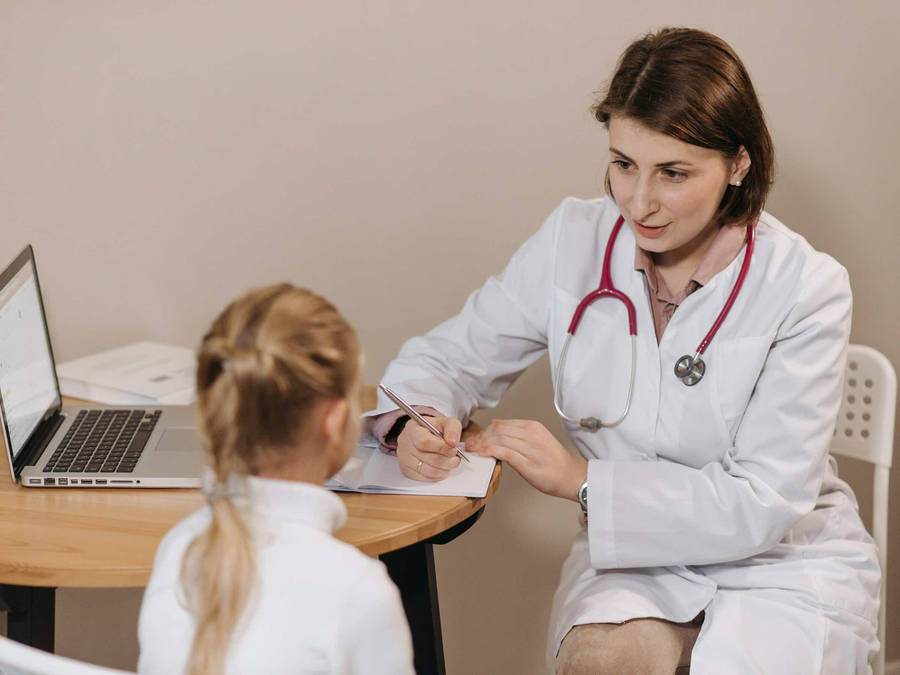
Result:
[{"x": 180, "y": 438}]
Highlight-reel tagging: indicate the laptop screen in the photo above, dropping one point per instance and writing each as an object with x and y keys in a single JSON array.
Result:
[{"x": 27, "y": 381}]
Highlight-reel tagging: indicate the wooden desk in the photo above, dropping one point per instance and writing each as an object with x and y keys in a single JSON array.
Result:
[{"x": 83, "y": 537}]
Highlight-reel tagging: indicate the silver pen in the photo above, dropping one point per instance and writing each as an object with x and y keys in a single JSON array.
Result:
[{"x": 421, "y": 421}]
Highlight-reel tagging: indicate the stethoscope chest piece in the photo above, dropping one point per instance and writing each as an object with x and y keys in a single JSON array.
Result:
[{"x": 690, "y": 369}]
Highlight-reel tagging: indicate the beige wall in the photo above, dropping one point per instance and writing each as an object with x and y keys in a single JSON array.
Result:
[{"x": 163, "y": 156}]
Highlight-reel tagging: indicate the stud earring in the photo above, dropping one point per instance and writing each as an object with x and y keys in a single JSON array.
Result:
[{"x": 737, "y": 183}]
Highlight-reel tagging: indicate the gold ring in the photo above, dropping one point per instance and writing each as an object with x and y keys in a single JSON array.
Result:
[{"x": 419, "y": 467}]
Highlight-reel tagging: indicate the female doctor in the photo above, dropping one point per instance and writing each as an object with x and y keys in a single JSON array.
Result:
[{"x": 700, "y": 387}]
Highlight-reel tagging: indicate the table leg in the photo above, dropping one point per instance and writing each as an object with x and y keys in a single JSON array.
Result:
[
  {"x": 30, "y": 615},
  {"x": 412, "y": 569}
]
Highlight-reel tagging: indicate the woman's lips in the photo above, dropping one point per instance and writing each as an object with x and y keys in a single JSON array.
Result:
[{"x": 649, "y": 231}]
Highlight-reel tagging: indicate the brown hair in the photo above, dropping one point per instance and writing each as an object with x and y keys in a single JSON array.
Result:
[
  {"x": 266, "y": 360},
  {"x": 689, "y": 84}
]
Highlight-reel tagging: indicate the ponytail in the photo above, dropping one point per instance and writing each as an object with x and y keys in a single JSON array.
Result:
[{"x": 218, "y": 575}]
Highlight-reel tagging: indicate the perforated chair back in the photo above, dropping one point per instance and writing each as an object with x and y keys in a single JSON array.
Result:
[
  {"x": 865, "y": 431},
  {"x": 19, "y": 659}
]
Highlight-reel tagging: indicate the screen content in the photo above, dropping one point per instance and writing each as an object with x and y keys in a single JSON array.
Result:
[{"x": 27, "y": 383}]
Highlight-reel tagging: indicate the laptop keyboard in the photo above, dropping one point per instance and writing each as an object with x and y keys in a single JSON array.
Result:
[{"x": 103, "y": 441}]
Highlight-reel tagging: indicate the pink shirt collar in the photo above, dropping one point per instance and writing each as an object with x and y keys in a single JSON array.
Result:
[{"x": 728, "y": 242}]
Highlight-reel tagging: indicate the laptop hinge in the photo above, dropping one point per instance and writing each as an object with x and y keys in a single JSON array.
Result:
[{"x": 38, "y": 442}]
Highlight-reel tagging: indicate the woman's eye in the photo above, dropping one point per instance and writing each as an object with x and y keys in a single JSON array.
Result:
[
  {"x": 674, "y": 174},
  {"x": 622, "y": 164}
]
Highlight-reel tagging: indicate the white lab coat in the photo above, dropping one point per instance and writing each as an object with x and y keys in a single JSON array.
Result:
[
  {"x": 719, "y": 497},
  {"x": 320, "y": 605}
]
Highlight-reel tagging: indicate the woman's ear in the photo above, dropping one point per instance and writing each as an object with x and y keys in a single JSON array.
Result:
[
  {"x": 740, "y": 166},
  {"x": 334, "y": 421}
]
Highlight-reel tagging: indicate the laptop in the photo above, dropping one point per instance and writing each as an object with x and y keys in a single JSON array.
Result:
[{"x": 78, "y": 446}]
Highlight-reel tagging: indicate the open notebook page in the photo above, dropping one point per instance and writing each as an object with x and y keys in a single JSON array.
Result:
[{"x": 370, "y": 470}]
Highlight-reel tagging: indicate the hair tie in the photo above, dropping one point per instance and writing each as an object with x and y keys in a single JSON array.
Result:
[{"x": 215, "y": 489}]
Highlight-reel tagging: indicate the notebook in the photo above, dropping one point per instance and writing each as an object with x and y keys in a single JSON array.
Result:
[
  {"x": 76, "y": 446},
  {"x": 372, "y": 471}
]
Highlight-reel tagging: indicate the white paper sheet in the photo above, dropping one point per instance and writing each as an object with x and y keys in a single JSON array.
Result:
[
  {"x": 370, "y": 470},
  {"x": 143, "y": 370}
]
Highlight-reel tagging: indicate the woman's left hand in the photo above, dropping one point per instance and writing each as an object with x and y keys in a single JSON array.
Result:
[{"x": 529, "y": 448}]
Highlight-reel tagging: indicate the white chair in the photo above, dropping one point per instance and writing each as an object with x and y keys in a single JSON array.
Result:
[
  {"x": 19, "y": 659},
  {"x": 865, "y": 430}
]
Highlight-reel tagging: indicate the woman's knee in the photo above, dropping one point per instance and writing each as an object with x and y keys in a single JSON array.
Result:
[
  {"x": 643, "y": 645},
  {"x": 583, "y": 650}
]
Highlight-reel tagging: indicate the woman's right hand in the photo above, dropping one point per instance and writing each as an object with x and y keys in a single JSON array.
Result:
[{"x": 422, "y": 455}]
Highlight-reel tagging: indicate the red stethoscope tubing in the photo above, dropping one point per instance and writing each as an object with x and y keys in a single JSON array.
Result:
[
  {"x": 745, "y": 265},
  {"x": 606, "y": 288},
  {"x": 688, "y": 369}
]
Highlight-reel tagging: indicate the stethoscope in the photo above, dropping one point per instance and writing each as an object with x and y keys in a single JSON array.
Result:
[{"x": 689, "y": 369}]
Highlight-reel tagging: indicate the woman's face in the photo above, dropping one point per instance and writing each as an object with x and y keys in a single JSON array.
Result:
[{"x": 668, "y": 190}]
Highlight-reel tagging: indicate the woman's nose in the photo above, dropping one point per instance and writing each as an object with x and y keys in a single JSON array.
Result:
[{"x": 644, "y": 202}]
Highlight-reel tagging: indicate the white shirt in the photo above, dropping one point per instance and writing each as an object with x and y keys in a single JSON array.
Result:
[{"x": 320, "y": 606}]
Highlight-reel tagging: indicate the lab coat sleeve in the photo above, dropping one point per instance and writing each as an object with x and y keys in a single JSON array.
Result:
[
  {"x": 468, "y": 361},
  {"x": 646, "y": 513},
  {"x": 373, "y": 633}
]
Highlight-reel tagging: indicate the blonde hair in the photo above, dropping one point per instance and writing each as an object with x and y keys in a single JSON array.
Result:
[{"x": 265, "y": 362}]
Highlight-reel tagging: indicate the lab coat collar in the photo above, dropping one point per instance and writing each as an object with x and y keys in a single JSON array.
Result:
[{"x": 296, "y": 502}]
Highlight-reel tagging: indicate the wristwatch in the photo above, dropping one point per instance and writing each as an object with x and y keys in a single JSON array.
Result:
[{"x": 582, "y": 498}]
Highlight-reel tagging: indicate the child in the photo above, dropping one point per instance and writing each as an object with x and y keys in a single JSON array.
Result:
[{"x": 254, "y": 582}]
